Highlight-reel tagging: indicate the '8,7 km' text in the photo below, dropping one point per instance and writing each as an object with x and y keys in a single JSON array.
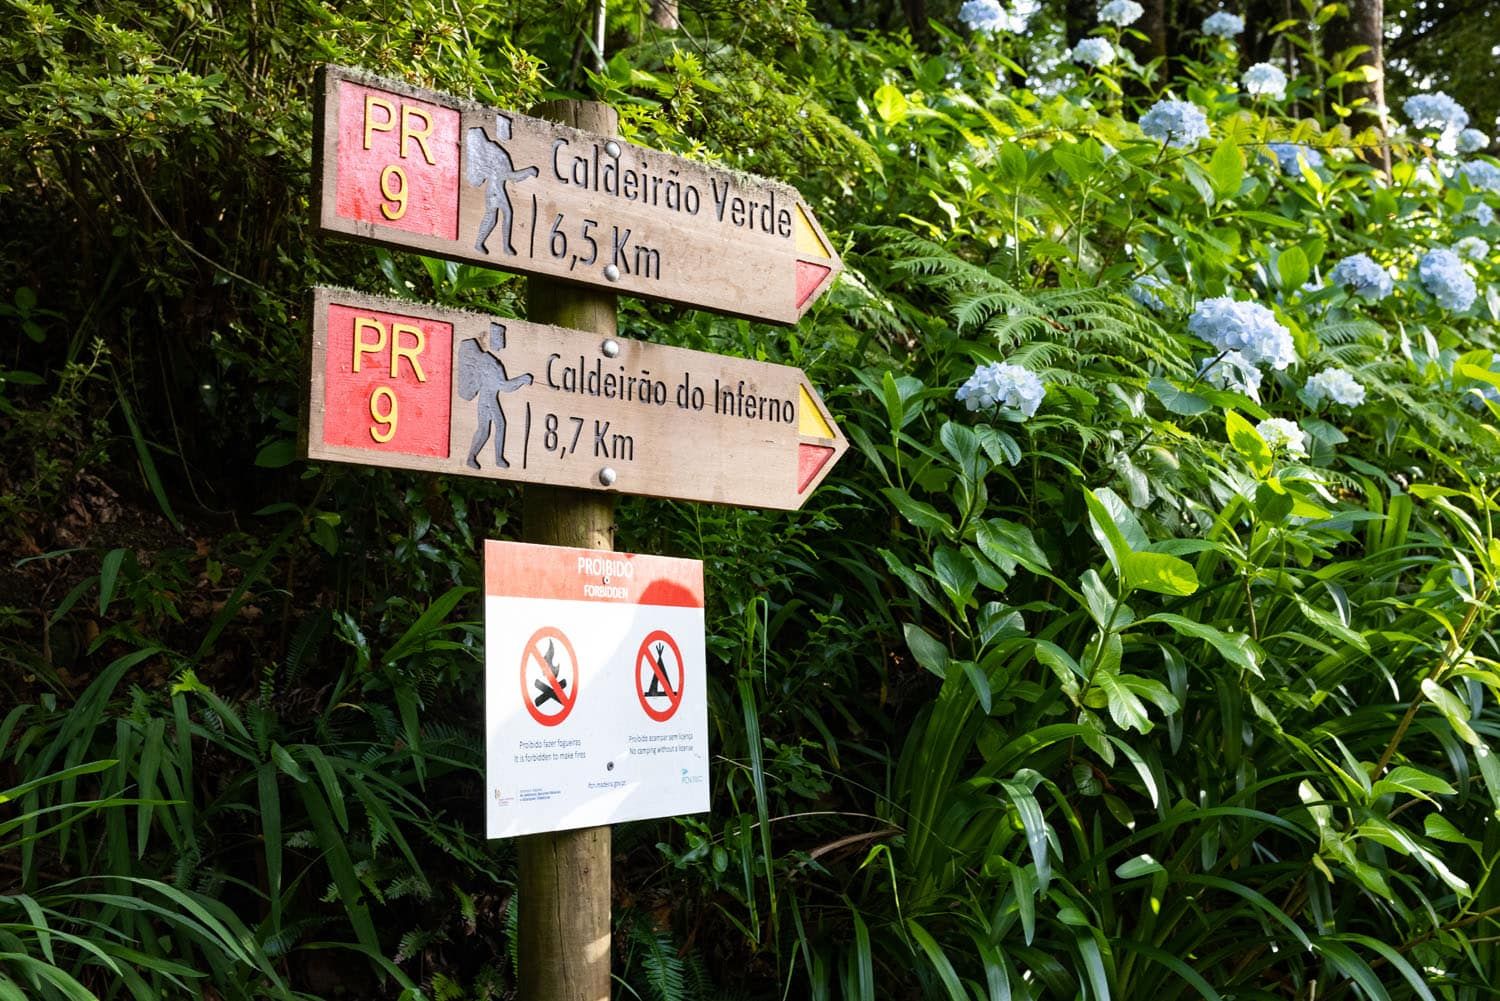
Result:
[{"x": 564, "y": 436}]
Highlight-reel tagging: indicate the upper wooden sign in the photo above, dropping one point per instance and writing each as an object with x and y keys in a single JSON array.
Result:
[
  {"x": 425, "y": 171},
  {"x": 411, "y": 386}
]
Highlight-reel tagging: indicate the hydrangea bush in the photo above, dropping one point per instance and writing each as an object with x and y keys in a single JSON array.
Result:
[
  {"x": 1223, "y": 24},
  {"x": 1207, "y": 528},
  {"x": 1265, "y": 80},
  {"x": 1120, "y": 13},
  {"x": 1179, "y": 124}
]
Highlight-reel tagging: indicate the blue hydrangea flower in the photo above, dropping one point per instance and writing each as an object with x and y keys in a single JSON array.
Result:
[
  {"x": 1093, "y": 52},
  {"x": 1246, "y": 327},
  {"x": 982, "y": 15},
  {"x": 1437, "y": 112},
  {"x": 1120, "y": 12},
  {"x": 1482, "y": 175},
  {"x": 1286, "y": 155},
  {"x": 1283, "y": 435},
  {"x": 1144, "y": 291},
  {"x": 1233, "y": 371},
  {"x": 1337, "y": 385},
  {"x": 1223, "y": 24},
  {"x": 1364, "y": 277},
  {"x": 999, "y": 384},
  {"x": 1472, "y": 141},
  {"x": 1482, "y": 214},
  {"x": 1265, "y": 80},
  {"x": 1444, "y": 278},
  {"x": 1472, "y": 247},
  {"x": 1179, "y": 124}
]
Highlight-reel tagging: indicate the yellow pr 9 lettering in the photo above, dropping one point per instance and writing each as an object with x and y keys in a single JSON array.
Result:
[
  {"x": 410, "y": 354},
  {"x": 362, "y": 346},
  {"x": 388, "y": 419},
  {"x": 408, "y": 114},
  {"x": 393, "y": 172},
  {"x": 371, "y": 126}
]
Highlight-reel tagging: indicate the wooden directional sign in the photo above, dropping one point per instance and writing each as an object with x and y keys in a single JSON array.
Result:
[
  {"x": 419, "y": 170},
  {"x": 411, "y": 386}
]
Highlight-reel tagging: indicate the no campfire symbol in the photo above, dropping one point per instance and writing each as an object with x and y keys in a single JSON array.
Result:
[
  {"x": 659, "y": 674},
  {"x": 549, "y": 676}
]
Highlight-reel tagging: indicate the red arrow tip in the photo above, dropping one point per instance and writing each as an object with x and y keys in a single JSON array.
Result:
[
  {"x": 809, "y": 278},
  {"x": 810, "y": 460}
]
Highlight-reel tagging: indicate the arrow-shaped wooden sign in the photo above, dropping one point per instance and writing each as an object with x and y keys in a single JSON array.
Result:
[
  {"x": 410, "y": 386},
  {"x": 424, "y": 171}
]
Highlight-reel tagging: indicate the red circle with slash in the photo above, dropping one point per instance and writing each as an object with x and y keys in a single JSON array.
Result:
[
  {"x": 659, "y": 686},
  {"x": 549, "y": 688}
]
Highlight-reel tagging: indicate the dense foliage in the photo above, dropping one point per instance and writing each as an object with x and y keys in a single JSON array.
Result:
[{"x": 1139, "y": 649}]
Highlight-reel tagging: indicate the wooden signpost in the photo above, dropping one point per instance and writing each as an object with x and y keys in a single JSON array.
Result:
[
  {"x": 409, "y": 386},
  {"x": 420, "y": 170},
  {"x": 572, "y": 411}
]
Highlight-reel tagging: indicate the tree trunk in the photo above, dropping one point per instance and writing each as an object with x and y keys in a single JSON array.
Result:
[
  {"x": 664, "y": 14},
  {"x": 1364, "y": 26},
  {"x": 1079, "y": 18},
  {"x": 1260, "y": 17}
]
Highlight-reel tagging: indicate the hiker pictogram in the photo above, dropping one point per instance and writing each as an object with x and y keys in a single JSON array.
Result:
[
  {"x": 482, "y": 376},
  {"x": 659, "y": 675},
  {"x": 549, "y": 676},
  {"x": 490, "y": 165}
]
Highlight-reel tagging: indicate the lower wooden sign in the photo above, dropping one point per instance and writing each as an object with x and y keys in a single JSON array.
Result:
[{"x": 410, "y": 386}]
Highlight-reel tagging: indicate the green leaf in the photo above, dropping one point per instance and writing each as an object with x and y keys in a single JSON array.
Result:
[
  {"x": 1248, "y": 443},
  {"x": 1093, "y": 964},
  {"x": 1234, "y": 647},
  {"x": 931, "y": 654},
  {"x": 890, "y": 103},
  {"x": 1008, "y": 543},
  {"x": 1227, "y": 169},
  {"x": 279, "y": 453},
  {"x": 1171, "y": 962},
  {"x": 1404, "y": 778},
  {"x": 270, "y": 819},
  {"x": 1069, "y": 672},
  {"x": 1035, "y": 825},
  {"x": 1141, "y": 865},
  {"x": 1416, "y": 980},
  {"x": 980, "y": 682},
  {"x": 1109, "y": 613},
  {"x": 1159, "y": 573},
  {"x": 1453, "y": 708},
  {"x": 919, "y": 513},
  {"x": 1107, "y": 533},
  {"x": 1177, "y": 401},
  {"x": 1292, "y": 268},
  {"x": 1351, "y": 966},
  {"x": 1125, "y": 709},
  {"x": 939, "y": 960},
  {"x": 956, "y": 574},
  {"x": 421, "y": 632},
  {"x": 109, "y": 571},
  {"x": 1440, "y": 828}
]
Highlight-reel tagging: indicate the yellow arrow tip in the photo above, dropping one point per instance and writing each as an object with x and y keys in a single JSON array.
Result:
[
  {"x": 808, "y": 240},
  {"x": 810, "y": 420}
]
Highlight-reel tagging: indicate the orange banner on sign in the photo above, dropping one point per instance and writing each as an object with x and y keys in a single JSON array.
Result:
[{"x": 525, "y": 570}]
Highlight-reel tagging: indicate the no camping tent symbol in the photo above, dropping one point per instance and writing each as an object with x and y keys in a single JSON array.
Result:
[
  {"x": 549, "y": 676},
  {"x": 659, "y": 674}
]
